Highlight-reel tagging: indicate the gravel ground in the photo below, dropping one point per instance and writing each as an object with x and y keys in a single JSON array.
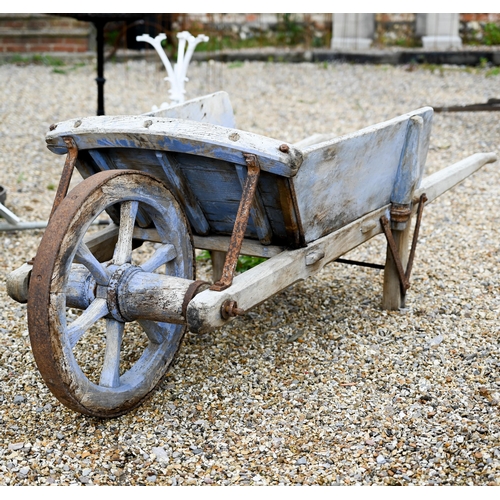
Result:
[{"x": 318, "y": 385}]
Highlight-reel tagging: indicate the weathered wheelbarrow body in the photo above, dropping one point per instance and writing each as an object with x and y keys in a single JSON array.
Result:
[{"x": 185, "y": 178}]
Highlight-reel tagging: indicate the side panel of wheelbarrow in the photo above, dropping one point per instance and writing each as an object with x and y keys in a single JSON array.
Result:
[
  {"x": 344, "y": 178},
  {"x": 202, "y": 164}
]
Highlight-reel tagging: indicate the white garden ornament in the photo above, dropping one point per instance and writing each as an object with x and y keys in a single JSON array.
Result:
[{"x": 177, "y": 73}]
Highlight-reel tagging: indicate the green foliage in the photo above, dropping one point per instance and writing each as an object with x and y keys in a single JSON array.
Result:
[
  {"x": 245, "y": 262},
  {"x": 493, "y": 72},
  {"x": 204, "y": 255},
  {"x": 491, "y": 34},
  {"x": 45, "y": 60},
  {"x": 290, "y": 31}
]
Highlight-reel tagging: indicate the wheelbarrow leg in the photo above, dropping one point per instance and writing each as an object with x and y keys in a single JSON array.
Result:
[
  {"x": 218, "y": 258},
  {"x": 394, "y": 294},
  {"x": 395, "y": 281}
]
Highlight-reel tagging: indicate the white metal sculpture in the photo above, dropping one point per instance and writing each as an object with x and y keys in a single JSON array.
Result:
[{"x": 177, "y": 73}]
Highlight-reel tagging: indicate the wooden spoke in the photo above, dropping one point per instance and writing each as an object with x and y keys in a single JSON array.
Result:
[
  {"x": 163, "y": 254},
  {"x": 97, "y": 310},
  {"x": 123, "y": 250},
  {"x": 86, "y": 257},
  {"x": 110, "y": 375},
  {"x": 154, "y": 331}
]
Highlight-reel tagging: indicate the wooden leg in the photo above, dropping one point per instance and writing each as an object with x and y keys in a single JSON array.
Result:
[
  {"x": 394, "y": 295},
  {"x": 218, "y": 259}
]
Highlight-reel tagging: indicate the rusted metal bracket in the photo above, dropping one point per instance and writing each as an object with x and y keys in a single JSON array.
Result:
[
  {"x": 194, "y": 288},
  {"x": 240, "y": 224},
  {"x": 404, "y": 276},
  {"x": 69, "y": 166}
]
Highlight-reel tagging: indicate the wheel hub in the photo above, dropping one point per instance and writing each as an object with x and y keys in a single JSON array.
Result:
[{"x": 120, "y": 275}]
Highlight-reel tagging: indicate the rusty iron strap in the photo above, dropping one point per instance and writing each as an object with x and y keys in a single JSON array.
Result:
[
  {"x": 420, "y": 210},
  {"x": 404, "y": 276},
  {"x": 69, "y": 166},
  {"x": 240, "y": 224}
]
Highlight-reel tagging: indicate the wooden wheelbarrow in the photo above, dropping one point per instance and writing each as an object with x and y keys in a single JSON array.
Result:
[{"x": 107, "y": 309}]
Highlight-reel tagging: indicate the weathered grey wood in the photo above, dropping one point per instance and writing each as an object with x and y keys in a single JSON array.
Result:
[
  {"x": 175, "y": 135},
  {"x": 101, "y": 159},
  {"x": 182, "y": 190},
  {"x": 102, "y": 243},
  {"x": 438, "y": 183},
  {"x": 218, "y": 258},
  {"x": 393, "y": 296},
  {"x": 217, "y": 243},
  {"x": 96, "y": 310},
  {"x": 110, "y": 373},
  {"x": 343, "y": 179},
  {"x": 409, "y": 170},
  {"x": 314, "y": 139},
  {"x": 57, "y": 339},
  {"x": 162, "y": 255},
  {"x": 154, "y": 297},
  {"x": 268, "y": 278},
  {"x": 86, "y": 257},
  {"x": 18, "y": 282},
  {"x": 408, "y": 174},
  {"x": 257, "y": 211},
  {"x": 213, "y": 108},
  {"x": 123, "y": 250}
]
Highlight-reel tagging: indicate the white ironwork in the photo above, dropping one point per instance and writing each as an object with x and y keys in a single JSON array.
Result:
[{"x": 177, "y": 73}]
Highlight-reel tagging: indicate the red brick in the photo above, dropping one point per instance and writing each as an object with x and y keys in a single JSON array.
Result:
[{"x": 15, "y": 48}]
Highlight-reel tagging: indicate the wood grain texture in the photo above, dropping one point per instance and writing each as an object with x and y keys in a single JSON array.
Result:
[
  {"x": 342, "y": 179},
  {"x": 213, "y": 108},
  {"x": 175, "y": 135},
  {"x": 270, "y": 277}
]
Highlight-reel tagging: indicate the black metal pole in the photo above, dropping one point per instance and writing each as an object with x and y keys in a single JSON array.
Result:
[{"x": 100, "y": 66}]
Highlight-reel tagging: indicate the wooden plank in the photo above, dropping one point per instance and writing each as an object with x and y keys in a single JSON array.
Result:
[
  {"x": 213, "y": 108},
  {"x": 274, "y": 275},
  {"x": 409, "y": 169},
  {"x": 175, "y": 135},
  {"x": 217, "y": 243},
  {"x": 182, "y": 191},
  {"x": 292, "y": 225},
  {"x": 102, "y": 159},
  {"x": 270, "y": 277},
  {"x": 102, "y": 243},
  {"x": 438, "y": 183},
  {"x": 218, "y": 259},
  {"x": 314, "y": 139},
  {"x": 342, "y": 179},
  {"x": 257, "y": 211},
  {"x": 393, "y": 296}
]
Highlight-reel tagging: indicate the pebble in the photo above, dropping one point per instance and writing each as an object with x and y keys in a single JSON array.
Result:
[{"x": 318, "y": 385}]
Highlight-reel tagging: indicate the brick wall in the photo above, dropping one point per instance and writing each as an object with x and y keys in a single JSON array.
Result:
[{"x": 39, "y": 33}]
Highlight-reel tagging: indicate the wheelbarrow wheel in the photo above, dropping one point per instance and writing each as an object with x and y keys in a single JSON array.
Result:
[{"x": 93, "y": 362}]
